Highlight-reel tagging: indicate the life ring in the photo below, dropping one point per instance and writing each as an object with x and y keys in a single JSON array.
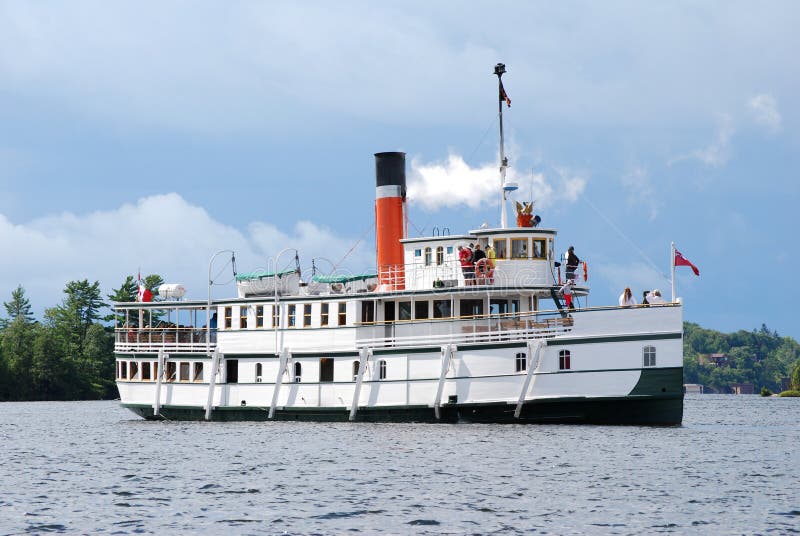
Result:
[
  {"x": 483, "y": 268},
  {"x": 585, "y": 272}
]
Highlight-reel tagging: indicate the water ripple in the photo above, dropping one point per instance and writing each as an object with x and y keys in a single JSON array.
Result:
[{"x": 91, "y": 467}]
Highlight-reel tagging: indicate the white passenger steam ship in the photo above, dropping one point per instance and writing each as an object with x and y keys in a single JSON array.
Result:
[{"x": 414, "y": 341}]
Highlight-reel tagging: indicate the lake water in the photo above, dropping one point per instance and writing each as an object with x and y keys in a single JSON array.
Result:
[{"x": 92, "y": 467}]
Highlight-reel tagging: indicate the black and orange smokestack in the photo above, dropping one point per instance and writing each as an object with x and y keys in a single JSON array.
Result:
[{"x": 390, "y": 218}]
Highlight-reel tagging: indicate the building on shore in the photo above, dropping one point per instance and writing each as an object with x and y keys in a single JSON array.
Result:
[{"x": 743, "y": 388}]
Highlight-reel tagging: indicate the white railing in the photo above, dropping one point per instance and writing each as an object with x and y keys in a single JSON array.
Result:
[
  {"x": 461, "y": 330},
  {"x": 171, "y": 339}
]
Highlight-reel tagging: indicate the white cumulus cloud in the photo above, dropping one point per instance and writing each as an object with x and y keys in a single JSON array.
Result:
[
  {"x": 162, "y": 234},
  {"x": 453, "y": 182},
  {"x": 764, "y": 110}
]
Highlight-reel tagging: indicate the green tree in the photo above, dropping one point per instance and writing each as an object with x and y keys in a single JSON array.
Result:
[
  {"x": 18, "y": 307},
  {"x": 79, "y": 310},
  {"x": 51, "y": 376},
  {"x": 17, "y": 352},
  {"x": 796, "y": 377},
  {"x": 98, "y": 361}
]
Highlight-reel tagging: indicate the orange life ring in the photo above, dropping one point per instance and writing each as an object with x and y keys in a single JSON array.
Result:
[
  {"x": 483, "y": 268},
  {"x": 585, "y": 272}
]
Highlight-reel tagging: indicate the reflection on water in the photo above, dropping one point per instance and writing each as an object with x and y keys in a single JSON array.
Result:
[{"x": 94, "y": 467}]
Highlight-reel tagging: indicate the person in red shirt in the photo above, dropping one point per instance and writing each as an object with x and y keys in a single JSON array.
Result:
[{"x": 467, "y": 265}]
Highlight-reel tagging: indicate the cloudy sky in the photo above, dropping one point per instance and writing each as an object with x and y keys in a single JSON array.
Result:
[{"x": 154, "y": 134}]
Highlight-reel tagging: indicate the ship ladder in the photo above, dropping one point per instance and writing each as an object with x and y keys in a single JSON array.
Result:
[
  {"x": 561, "y": 309},
  {"x": 162, "y": 360},
  {"x": 286, "y": 355},
  {"x": 212, "y": 381},
  {"x": 366, "y": 353},
  {"x": 448, "y": 352},
  {"x": 534, "y": 363}
]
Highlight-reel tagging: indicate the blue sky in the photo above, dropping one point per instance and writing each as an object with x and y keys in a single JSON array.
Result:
[{"x": 155, "y": 134}]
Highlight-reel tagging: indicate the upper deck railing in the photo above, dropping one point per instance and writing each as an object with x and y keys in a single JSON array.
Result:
[{"x": 463, "y": 329}]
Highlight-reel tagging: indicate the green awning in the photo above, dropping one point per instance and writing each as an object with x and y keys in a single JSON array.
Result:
[
  {"x": 261, "y": 274},
  {"x": 342, "y": 278}
]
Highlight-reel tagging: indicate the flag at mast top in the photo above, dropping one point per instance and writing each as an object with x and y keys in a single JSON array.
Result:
[{"x": 499, "y": 70}]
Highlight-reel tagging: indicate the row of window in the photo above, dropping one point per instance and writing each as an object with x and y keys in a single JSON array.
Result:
[
  {"x": 300, "y": 315},
  {"x": 184, "y": 371},
  {"x": 193, "y": 372},
  {"x": 520, "y": 248},
  {"x": 325, "y": 370},
  {"x": 291, "y": 315},
  {"x": 565, "y": 356},
  {"x": 148, "y": 371}
]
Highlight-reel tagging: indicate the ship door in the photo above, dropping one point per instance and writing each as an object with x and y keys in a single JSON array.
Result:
[
  {"x": 388, "y": 319},
  {"x": 232, "y": 370},
  {"x": 327, "y": 389}
]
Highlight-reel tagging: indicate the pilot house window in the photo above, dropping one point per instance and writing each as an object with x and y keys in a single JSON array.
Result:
[
  {"x": 439, "y": 256},
  {"x": 519, "y": 248},
  {"x": 228, "y": 317},
  {"x": 500, "y": 248},
  {"x": 427, "y": 256},
  {"x": 539, "y": 248}
]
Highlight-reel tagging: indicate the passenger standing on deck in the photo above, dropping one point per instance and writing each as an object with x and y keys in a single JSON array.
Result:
[
  {"x": 626, "y": 299},
  {"x": 566, "y": 290},
  {"x": 645, "y": 295},
  {"x": 655, "y": 297},
  {"x": 572, "y": 263},
  {"x": 480, "y": 268},
  {"x": 467, "y": 266},
  {"x": 490, "y": 254},
  {"x": 478, "y": 254}
]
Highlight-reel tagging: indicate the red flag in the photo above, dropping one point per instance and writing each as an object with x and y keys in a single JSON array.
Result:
[
  {"x": 504, "y": 95},
  {"x": 144, "y": 294},
  {"x": 680, "y": 260}
]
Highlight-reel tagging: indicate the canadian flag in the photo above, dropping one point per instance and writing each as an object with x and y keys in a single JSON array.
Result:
[
  {"x": 680, "y": 260},
  {"x": 144, "y": 294}
]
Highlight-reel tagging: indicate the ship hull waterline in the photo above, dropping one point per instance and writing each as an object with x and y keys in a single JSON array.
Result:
[{"x": 656, "y": 400}]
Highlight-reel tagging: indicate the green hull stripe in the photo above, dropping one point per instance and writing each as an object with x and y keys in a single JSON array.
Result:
[{"x": 616, "y": 338}]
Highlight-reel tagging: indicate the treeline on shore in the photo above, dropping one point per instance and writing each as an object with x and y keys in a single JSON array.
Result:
[
  {"x": 720, "y": 360},
  {"x": 69, "y": 353}
]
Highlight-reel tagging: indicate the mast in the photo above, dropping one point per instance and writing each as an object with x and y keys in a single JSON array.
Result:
[{"x": 505, "y": 187}]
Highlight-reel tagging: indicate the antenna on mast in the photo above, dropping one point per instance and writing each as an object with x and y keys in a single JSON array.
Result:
[{"x": 505, "y": 187}]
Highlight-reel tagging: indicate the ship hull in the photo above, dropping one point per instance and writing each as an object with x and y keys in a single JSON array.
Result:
[
  {"x": 654, "y": 411},
  {"x": 657, "y": 399}
]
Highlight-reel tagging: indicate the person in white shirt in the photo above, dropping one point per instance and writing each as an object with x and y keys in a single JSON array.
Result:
[
  {"x": 655, "y": 297},
  {"x": 626, "y": 299},
  {"x": 566, "y": 290}
]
